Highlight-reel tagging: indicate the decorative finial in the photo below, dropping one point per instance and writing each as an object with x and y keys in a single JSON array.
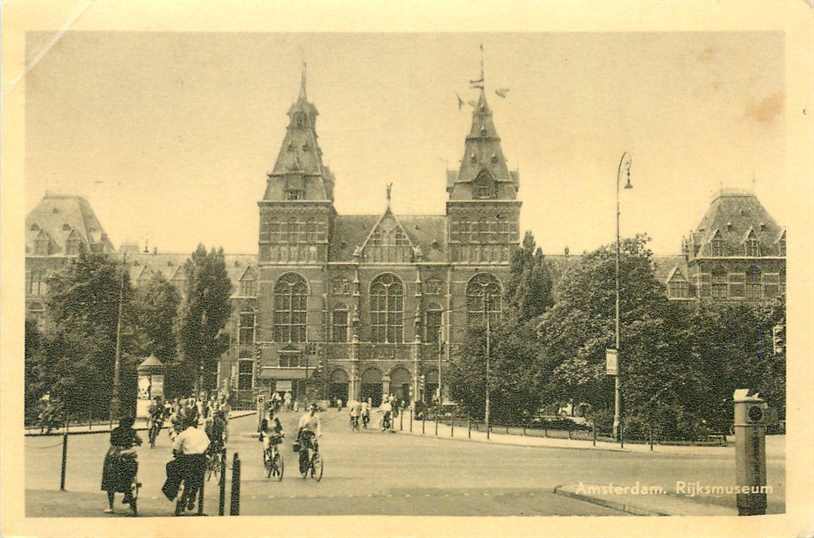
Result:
[
  {"x": 303, "y": 94},
  {"x": 389, "y": 189},
  {"x": 481, "y": 82}
]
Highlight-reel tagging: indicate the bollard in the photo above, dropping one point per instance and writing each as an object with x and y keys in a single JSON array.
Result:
[
  {"x": 488, "y": 431},
  {"x": 436, "y": 425},
  {"x": 593, "y": 428},
  {"x": 423, "y": 420},
  {"x": 452, "y": 428},
  {"x": 201, "y": 496},
  {"x": 622, "y": 433},
  {"x": 569, "y": 432},
  {"x": 234, "y": 508},
  {"x": 64, "y": 461},
  {"x": 524, "y": 428},
  {"x": 401, "y": 421},
  {"x": 651, "y": 437},
  {"x": 222, "y": 484},
  {"x": 411, "y": 421}
]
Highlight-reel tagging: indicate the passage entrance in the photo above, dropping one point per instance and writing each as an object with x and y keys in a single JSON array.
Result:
[
  {"x": 430, "y": 386},
  {"x": 339, "y": 385},
  {"x": 400, "y": 383},
  {"x": 372, "y": 386}
]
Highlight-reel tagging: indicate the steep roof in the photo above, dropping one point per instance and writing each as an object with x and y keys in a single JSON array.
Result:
[
  {"x": 60, "y": 217},
  {"x": 146, "y": 264},
  {"x": 730, "y": 215},
  {"x": 427, "y": 232},
  {"x": 483, "y": 154}
]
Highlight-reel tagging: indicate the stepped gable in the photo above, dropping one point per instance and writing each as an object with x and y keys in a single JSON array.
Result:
[
  {"x": 731, "y": 216},
  {"x": 62, "y": 217}
]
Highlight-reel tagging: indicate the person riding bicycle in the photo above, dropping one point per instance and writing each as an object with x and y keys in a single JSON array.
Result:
[
  {"x": 189, "y": 465},
  {"x": 365, "y": 413},
  {"x": 309, "y": 431},
  {"x": 216, "y": 431},
  {"x": 155, "y": 415},
  {"x": 121, "y": 463},
  {"x": 354, "y": 410},
  {"x": 271, "y": 432},
  {"x": 387, "y": 418}
]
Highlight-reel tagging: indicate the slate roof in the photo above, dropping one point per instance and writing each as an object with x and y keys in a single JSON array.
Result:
[
  {"x": 143, "y": 265},
  {"x": 731, "y": 214},
  {"x": 59, "y": 216},
  {"x": 428, "y": 232}
]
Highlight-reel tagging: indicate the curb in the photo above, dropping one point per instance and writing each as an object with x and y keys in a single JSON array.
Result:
[
  {"x": 138, "y": 428},
  {"x": 613, "y": 505}
]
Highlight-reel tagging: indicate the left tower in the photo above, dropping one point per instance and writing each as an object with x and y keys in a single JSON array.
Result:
[{"x": 296, "y": 222}]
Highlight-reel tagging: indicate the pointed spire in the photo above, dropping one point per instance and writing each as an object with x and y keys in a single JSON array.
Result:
[{"x": 303, "y": 94}]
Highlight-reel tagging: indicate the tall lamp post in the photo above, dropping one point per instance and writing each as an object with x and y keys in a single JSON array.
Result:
[
  {"x": 488, "y": 352},
  {"x": 115, "y": 403},
  {"x": 624, "y": 167}
]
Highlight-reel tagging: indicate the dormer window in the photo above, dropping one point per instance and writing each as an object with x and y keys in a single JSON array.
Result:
[
  {"x": 717, "y": 246},
  {"x": 484, "y": 187},
  {"x": 66, "y": 227},
  {"x": 306, "y": 147},
  {"x": 494, "y": 158},
  {"x": 72, "y": 247},
  {"x": 294, "y": 195},
  {"x": 752, "y": 247},
  {"x": 41, "y": 246}
]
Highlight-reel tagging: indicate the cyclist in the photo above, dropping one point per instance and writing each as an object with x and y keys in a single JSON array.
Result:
[
  {"x": 156, "y": 419},
  {"x": 189, "y": 465},
  {"x": 121, "y": 464},
  {"x": 309, "y": 431},
  {"x": 271, "y": 433},
  {"x": 354, "y": 411},
  {"x": 365, "y": 412},
  {"x": 387, "y": 419},
  {"x": 216, "y": 431}
]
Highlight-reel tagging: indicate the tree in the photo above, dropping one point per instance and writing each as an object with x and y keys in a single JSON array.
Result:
[
  {"x": 513, "y": 358},
  {"x": 529, "y": 288},
  {"x": 83, "y": 305},
  {"x": 205, "y": 312},
  {"x": 32, "y": 356},
  {"x": 158, "y": 304},
  {"x": 575, "y": 333}
]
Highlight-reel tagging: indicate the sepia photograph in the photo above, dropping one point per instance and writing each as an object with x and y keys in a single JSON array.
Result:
[{"x": 411, "y": 273}]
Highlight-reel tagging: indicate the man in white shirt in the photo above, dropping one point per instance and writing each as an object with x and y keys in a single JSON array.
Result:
[
  {"x": 309, "y": 430},
  {"x": 189, "y": 464}
]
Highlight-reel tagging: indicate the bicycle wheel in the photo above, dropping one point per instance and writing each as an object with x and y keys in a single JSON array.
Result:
[
  {"x": 214, "y": 468},
  {"x": 279, "y": 466},
  {"x": 268, "y": 464},
  {"x": 307, "y": 467},
  {"x": 317, "y": 466}
]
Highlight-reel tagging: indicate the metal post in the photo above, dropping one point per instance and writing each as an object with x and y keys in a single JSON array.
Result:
[
  {"x": 469, "y": 429},
  {"x": 436, "y": 424},
  {"x": 222, "y": 484},
  {"x": 114, "y": 399},
  {"x": 622, "y": 434},
  {"x": 524, "y": 428},
  {"x": 452, "y": 428},
  {"x": 617, "y": 381},
  {"x": 401, "y": 421},
  {"x": 64, "y": 461},
  {"x": 411, "y": 420},
  {"x": 234, "y": 509},
  {"x": 423, "y": 419},
  {"x": 651, "y": 437},
  {"x": 593, "y": 427},
  {"x": 201, "y": 497},
  {"x": 488, "y": 338}
]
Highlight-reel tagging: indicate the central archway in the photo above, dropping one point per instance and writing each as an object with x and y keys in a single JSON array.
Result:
[
  {"x": 338, "y": 387},
  {"x": 372, "y": 386},
  {"x": 400, "y": 383}
]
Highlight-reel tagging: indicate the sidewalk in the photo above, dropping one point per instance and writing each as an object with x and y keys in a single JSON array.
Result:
[
  {"x": 775, "y": 445},
  {"x": 80, "y": 429},
  {"x": 639, "y": 500}
]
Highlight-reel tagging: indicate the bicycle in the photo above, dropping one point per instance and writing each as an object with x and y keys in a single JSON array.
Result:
[
  {"x": 187, "y": 498},
  {"x": 315, "y": 464},
  {"x": 354, "y": 424},
  {"x": 213, "y": 464},
  {"x": 134, "y": 487},
  {"x": 155, "y": 429},
  {"x": 273, "y": 459}
]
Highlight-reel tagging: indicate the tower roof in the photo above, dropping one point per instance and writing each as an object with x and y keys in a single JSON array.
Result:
[
  {"x": 63, "y": 217},
  {"x": 734, "y": 216},
  {"x": 299, "y": 163}
]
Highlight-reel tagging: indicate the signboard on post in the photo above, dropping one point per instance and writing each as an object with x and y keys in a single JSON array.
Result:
[{"x": 612, "y": 361}]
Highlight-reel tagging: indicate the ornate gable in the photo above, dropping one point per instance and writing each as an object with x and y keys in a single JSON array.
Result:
[{"x": 388, "y": 242}]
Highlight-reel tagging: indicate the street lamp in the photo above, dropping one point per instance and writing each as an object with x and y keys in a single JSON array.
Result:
[
  {"x": 624, "y": 167},
  {"x": 114, "y": 396}
]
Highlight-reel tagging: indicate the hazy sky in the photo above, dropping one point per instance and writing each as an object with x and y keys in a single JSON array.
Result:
[{"x": 169, "y": 135}]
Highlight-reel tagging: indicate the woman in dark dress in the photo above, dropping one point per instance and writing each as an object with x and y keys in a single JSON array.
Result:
[{"x": 121, "y": 465}]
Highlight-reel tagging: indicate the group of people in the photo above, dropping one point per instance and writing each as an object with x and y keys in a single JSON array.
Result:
[
  {"x": 361, "y": 412},
  {"x": 309, "y": 430},
  {"x": 199, "y": 427}
]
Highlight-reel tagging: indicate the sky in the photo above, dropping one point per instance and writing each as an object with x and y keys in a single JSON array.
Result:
[{"x": 170, "y": 135}]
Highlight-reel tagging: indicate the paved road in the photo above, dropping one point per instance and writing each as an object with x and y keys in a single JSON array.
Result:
[{"x": 373, "y": 473}]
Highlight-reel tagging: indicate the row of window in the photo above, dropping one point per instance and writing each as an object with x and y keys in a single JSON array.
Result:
[
  {"x": 750, "y": 248},
  {"x": 482, "y": 231},
  {"x": 474, "y": 253},
  {"x": 719, "y": 285},
  {"x": 483, "y": 294},
  {"x": 36, "y": 283},
  {"x": 292, "y": 230}
]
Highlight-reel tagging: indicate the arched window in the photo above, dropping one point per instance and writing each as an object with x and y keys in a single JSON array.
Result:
[
  {"x": 386, "y": 309},
  {"x": 432, "y": 325},
  {"x": 340, "y": 323},
  {"x": 290, "y": 307},
  {"x": 754, "y": 284},
  {"x": 484, "y": 186},
  {"x": 483, "y": 293}
]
